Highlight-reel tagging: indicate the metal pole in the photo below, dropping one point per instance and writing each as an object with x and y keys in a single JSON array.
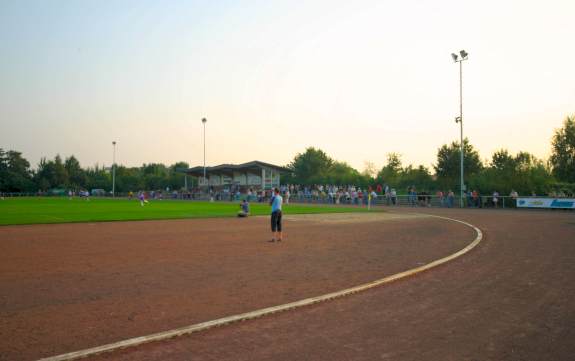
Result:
[
  {"x": 204, "y": 120},
  {"x": 461, "y": 126},
  {"x": 114, "y": 171}
]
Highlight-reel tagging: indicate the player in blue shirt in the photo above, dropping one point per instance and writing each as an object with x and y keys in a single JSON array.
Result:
[
  {"x": 245, "y": 209},
  {"x": 276, "y": 203}
]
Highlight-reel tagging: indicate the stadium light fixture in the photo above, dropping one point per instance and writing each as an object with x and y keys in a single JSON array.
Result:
[{"x": 463, "y": 56}]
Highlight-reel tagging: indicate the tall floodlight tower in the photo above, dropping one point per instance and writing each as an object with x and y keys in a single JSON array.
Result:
[
  {"x": 460, "y": 59},
  {"x": 114, "y": 170},
  {"x": 204, "y": 121}
]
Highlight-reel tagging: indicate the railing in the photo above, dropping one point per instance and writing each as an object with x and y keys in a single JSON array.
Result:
[
  {"x": 381, "y": 200},
  {"x": 412, "y": 201}
]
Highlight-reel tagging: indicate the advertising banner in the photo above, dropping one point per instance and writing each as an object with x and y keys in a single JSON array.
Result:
[{"x": 566, "y": 203}]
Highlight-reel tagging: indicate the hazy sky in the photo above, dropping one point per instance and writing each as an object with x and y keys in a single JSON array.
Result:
[{"x": 358, "y": 79}]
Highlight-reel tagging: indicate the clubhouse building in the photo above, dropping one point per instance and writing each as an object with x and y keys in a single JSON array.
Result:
[{"x": 255, "y": 175}]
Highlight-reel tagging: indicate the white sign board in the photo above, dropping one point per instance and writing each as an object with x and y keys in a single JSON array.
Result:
[{"x": 566, "y": 203}]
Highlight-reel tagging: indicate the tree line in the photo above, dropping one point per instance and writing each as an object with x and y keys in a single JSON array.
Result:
[
  {"x": 504, "y": 172},
  {"x": 522, "y": 172},
  {"x": 16, "y": 175}
]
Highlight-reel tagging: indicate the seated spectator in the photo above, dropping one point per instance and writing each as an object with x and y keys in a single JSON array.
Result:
[{"x": 245, "y": 209}]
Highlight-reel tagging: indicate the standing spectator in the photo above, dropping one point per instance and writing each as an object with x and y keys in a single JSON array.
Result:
[
  {"x": 441, "y": 198},
  {"x": 393, "y": 195},
  {"x": 513, "y": 196},
  {"x": 475, "y": 197},
  {"x": 495, "y": 198},
  {"x": 450, "y": 197},
  {"x": 469, "y": 197},
  {"x": 276, "y": 218},
  {"x": 412, "y": 195},
  {"x": 372, "y": 197}
]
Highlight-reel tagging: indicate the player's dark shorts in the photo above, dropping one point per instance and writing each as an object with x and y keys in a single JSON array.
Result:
[{"x": 277, "y": 221}]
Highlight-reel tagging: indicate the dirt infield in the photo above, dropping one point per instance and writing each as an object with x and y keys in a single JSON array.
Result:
[
  {"x": 512, "y": 298},
  {"x": 69, "y": 287}
]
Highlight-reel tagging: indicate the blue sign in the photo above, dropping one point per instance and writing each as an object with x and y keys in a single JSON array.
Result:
[{"x": 562, "y": 204}]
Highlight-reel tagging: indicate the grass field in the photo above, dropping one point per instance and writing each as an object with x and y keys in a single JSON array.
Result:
[{"x": 63, "y": 210}]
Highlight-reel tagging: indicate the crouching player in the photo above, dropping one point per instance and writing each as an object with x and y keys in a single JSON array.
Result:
[{"x": 245, "y": 209}]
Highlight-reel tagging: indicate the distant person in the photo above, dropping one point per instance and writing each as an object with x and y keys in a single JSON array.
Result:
[
  {"x": 276, "y": 218},
  {"x": 513, "y": 196},
  {"x": 142, "y": 198},
  {"x": 475, "y": 197},
  {"x": 70, "y": 194},
  {"x": 439, "y": 194},
  {"x": 245, "y": 209},
  {"x": 373, "y": 197},
  {"x": 495, "y": 199},
  {"x": 450, "y": 198},
  {"x": 412, "y": 197},
  {"x": 393, "y": 195}
]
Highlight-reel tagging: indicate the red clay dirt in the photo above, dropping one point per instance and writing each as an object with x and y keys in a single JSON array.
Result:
[
  {"x": 74, "y": 286},
  {"x": 511, "y": 298}
]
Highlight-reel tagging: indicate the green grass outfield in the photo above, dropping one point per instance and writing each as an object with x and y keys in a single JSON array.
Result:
[{"x": 64, "y": 210}]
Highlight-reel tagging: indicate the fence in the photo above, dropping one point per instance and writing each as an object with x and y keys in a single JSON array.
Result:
[
  {"x": 412, "y": 201},
  {"x": 400, "y": 200}
]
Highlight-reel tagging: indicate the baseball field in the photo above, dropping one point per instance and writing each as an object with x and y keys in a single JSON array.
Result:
[{"x": 91, "y": 281}]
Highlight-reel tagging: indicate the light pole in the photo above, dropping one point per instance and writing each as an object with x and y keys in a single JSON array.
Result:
[
  {"x": 114, "y": 171},
  {"x": 459, "y": 59},
  {"x": 204, "y": 120}
]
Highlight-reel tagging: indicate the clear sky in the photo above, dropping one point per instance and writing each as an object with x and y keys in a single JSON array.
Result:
[{"x": 358, "y": 79}]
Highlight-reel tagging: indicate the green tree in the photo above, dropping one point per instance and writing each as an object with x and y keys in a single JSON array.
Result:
[
  {"x": 341, "y": 173},
  {"x": 502, "y": 160},
  {"x": 176, "y": 176},
  {"x": 391, "y": 171},
  {"x": 129, "y": 179},
  {"x": 523, "y": 173},
  {"x": 155, "y": 176},
  {"x": 311, "y": 167},
  {"x": 98, "y": 178},
  {"x": 76, "y": 175},
  {"x": 3, "y": 170},
  {"x": 52, "y": 174},
  {"x": 448, "y": 165},
  {"x": 15, "y": 174},
  {"x": 563, "y": 151},
  {"x": 419, "y": 177}
]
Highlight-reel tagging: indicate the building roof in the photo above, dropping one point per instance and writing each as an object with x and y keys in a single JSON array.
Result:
[{"x": 252, "y": 167}]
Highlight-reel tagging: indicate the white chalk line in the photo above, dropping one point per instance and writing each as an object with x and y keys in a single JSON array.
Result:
[{"x": 266, "y": 311}]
